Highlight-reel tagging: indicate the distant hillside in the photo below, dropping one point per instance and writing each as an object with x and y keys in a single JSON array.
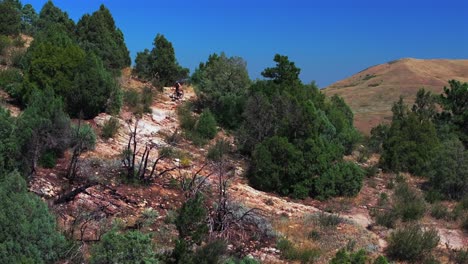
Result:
[{"x": 371, "y": 92}]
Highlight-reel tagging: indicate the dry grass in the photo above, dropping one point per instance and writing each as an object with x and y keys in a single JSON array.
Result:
[
  {"x": 310, "y": 232},
  {"x": 372, "y": 103}
]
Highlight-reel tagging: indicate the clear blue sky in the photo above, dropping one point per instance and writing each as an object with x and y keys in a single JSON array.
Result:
[{"x": 329, "y": 40}]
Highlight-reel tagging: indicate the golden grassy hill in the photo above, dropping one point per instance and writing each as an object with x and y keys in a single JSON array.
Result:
[{"x": 371, "y": 92}]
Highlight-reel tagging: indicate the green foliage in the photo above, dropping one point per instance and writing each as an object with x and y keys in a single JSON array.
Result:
[
  {"x": 285, "y": 71},
  {"x": 410, "y": 143},
  {"x": 411, "y": 243},
  {"x": 378, "y": 137},
  {"x": 29, "y": 19},
  {"x": 341, "y": 179},
  {"x": 190, "y": 221},
  {"x": 454, "y": 101},
  {"x": 387, "y": 218},
  {"x": 84, "y": 136},
  {"x": 54, "y": 61},
  {"x": 5, "y": 42},
  {"x": 424, "y": 105},
  {"x": 408, "y": 203},
  {"x": 206, "y": 125},
  {"x": 245, "y": 260},
  {"x": 276, "y": 165},
  {"x": 297, "y": 137},
  {"x": 290, "y": 252},
  {"x": 345, "y": 257},
  {"x": 98, "y": 34},
  {"x": 91, "y": 89},
  {"x": 130, "y": 247},
  {"x": 52, "y": 16},
  {"x": 212, "y": 252},
  {"x": 139, "y": 102},
  {"x": 461, "y": 256},
  {"x": 11, "y": 81},
  {"x": 43, "y": 126},
  {"x": 329, "y": 220},
  {"x": 218, "y": 150},
  {"x": 221, "y": 85},
  {"x": 48, "y": 159},
  {"x": 159, "y": 65},
  {"x": 439, "y": 211},
  {"x": 110, "y": 128},
  {"x": 381, "y": 260},
  {"x": 10, "y": 20},
  {"x": 9, "y": 147},
  {"x": 448, "y": 169},
  {"x": 28, "y": 232}
]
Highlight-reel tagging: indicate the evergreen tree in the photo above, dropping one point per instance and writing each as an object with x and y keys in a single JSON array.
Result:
[
  {"x": 125, "y": 248},
  {"x": 9, "y": 149},
  {"x": 10, "y": 18},
  {"x": 297, "y": 137},
  {"x": 43, "y": 127},
  {"x": 143, "y": 65},
  {"x": 29, "y": 19},
  {"x": 97, "y": 33},
  {"x": 161, "y": 66},
  {"x": 55, "y": 61},
  {"x": 221, "y": 85},
  {"x": 52, "y": 15},
  {"x": 28, "y": 232},
  {"x": 454, "y": 101}
]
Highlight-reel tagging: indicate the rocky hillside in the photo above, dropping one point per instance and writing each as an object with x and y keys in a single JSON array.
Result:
[{"x": 371, "y": 92}]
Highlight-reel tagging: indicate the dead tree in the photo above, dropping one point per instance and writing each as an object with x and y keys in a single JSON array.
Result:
[
  {"x": 69, "y": 196},
  {"x": 139, "y": 170},
  {"x": 223, "y": 216}
]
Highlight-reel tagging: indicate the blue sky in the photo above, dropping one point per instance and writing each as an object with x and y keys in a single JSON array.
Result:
[{"x": 328, "y": 40}]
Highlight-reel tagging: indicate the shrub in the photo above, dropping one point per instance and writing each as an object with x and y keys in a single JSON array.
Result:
[
  {"x": 432, "y": 196},
  {"x": 147, "y": 99},
  {"x": 5, "y": 42},
  {"x": 408, "y": 204},
  {"x": 371, "y": 171},
  {"x": 383, "y": 199},
  {"x": 17, "y": 59},
  {"x": 464, "y": 223},
  {"x": 381, "y": 260},
  {"x": 245, "y": 260},
  {"x": 19, "y": 42},
  {"x": 314, "y": 235},
  {"x": 131, "y": 98},
  {"x": 218, "y": 150},
  {"x": 461, "y": 256},
  {"x": 439, "y": 211},
  {"x": 411, "y": 243},
  {"x": 341, "y": 179},
  {"x": 329, "y": 220},
  {"x": 125, "y": 248},
  {"x": 206, "y": 125},
  {"x": 289, "y": 252},
  {"x": 187, "y": 120},
  {"x": 110, "y": 128},
  {"x": 28, "y": 232},
  {"x": 387, "y": 218},
  {"x": 345, "y": 257},
  {"x": 11, "y": 81},
  {"x": 48, "y": 159}
]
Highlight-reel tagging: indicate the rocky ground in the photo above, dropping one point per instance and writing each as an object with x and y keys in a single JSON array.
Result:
[{"x": 86, "y": 215}]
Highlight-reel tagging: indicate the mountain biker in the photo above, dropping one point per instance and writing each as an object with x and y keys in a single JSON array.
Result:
[{"x": 178, "y": 90}]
